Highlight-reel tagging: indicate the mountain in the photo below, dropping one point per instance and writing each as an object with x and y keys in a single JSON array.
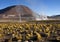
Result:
[
  {"x": 17, "y": 12},
  {"x": 16, "y": 9},
  {"x": 22, "y": 13},
  {"x": 54, "y": 17}
]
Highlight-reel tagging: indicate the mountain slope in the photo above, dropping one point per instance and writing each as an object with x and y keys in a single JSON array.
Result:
[{"x": 17, "y": 11}]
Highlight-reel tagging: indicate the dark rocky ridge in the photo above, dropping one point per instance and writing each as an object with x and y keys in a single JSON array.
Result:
[{"x": 55, "y": 17}]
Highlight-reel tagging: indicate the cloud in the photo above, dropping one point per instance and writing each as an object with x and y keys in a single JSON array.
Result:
[
  {"x": 32, "y": 2},
  {"x": 38, "y": 5}
]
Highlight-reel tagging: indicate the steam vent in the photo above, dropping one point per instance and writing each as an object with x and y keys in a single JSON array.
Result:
[{"x": 16, "y": 13}]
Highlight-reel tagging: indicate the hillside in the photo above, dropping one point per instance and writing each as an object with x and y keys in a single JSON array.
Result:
[{"x": 16, "y": 12}]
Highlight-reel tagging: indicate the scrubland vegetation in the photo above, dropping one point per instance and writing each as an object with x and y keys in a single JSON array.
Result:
[{"x": 37, "y": 32}]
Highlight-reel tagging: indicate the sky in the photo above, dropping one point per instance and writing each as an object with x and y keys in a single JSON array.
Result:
[{"x": 45, "y": 7}]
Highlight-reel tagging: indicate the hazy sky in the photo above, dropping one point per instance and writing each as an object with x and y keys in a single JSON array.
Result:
[{"x": 48, "y": 7}]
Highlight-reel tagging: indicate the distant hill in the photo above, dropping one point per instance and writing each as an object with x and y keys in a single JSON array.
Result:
[{"x": 55, "y": 17}]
